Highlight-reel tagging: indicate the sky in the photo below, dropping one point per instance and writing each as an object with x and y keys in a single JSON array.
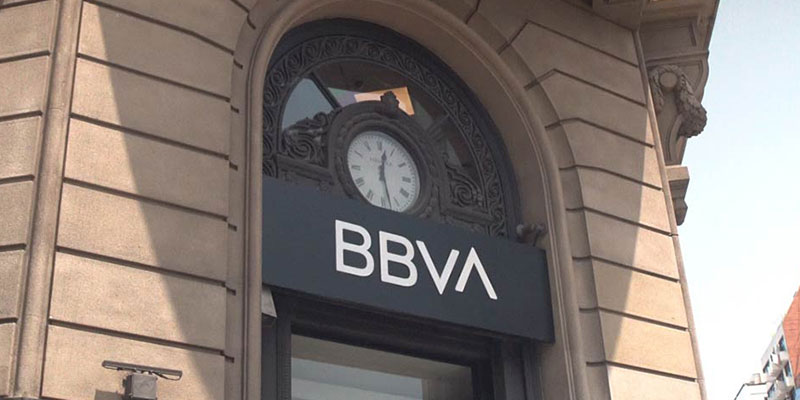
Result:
[{"x": 740, "y": 238}]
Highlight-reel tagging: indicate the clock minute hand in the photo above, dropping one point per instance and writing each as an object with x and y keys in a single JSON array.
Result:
[{"x": 382, "y": 177}]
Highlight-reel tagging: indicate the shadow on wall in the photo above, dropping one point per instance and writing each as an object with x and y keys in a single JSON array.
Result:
[
  {"x": 144, "y": 244},
  {"x": 143, "y": 241},
  {"x": 633, "y": 318}
]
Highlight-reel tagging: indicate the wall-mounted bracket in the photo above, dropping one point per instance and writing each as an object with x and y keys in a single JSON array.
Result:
[{"x": 142, "y": 382}]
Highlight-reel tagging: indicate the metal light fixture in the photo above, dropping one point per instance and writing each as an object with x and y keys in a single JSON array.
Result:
[{"x": 141, "y": 383}]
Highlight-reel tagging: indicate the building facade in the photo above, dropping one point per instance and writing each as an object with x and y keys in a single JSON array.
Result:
[
  {"x": 756, "y": 389},
  {"x": 143, "y": 145},
  {"x": 778, "y": 375}
]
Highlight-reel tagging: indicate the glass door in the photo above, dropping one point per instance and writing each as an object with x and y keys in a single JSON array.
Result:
[
  {"x": 318, "y": 350},
  {"x": 325, "y": 370}
]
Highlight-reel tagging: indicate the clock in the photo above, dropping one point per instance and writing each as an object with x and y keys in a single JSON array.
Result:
[{"x": 383, "y": 171}]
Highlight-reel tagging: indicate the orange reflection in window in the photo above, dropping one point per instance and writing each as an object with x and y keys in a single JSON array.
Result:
[{"x": 401, "y": 93}]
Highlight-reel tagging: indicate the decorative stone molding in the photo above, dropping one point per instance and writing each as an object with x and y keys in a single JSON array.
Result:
[
  {"x": 670, "y": 78},
  {"x": 679, "y": 112},
  {"x": 678, "y": 177}
]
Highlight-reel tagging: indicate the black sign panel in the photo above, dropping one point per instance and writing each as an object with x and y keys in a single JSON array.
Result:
[{"x": 349, "y": 251}]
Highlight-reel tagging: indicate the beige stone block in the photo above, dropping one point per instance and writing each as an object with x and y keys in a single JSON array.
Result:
[
  {"x": 218, "y": 21},
  {"x": 518, "y": 66},
  {"x": 574, "y": 99},
  {"x": 597, "y": 148},
  {"x": 505, "y": 16},
  {"x": 259, "y": 15},
  {"x": 239, "y": 93},
  {"x": 592, "y": 334},
  {"x": 10, "y": 281},
  {"x": 157, "y": 50},
  {"x": 460, "y": 8},
  {"x": 142, "y": 232},
  {"x": 146, "y": 167},
  {"x": 132, "y": 300},
  {"x": 585, "y": 27},
  {"x": 233, "y": 379},
  {"x": 29, "y": 25},
  {"x": 249, "y": 37},
  {"x": 631, "y": 292},
  {"x": 15, "y": 209},
  {"x": 154, "y": 107},
  {"x": 236, "y": 237},
  {"x": 631, "y": 245},
  {"x": 584, "y": 284},
  {"x": 571, "y": 186},
  {"x": 578, "y": 241},
  {"x": 543, "y": 106},
  {"x": 487, "y": 30},
  {"x": 627, "y": 383},
  {"x": 597, "y": 375},
  {"x": 234, "y": 325},
  {"x": 73, "y": 367},
  {"x": 646, "y": 345},
  {"x": 620, "y": 197},
  {"x": 543, "y": 50},
  {"x": 18, "y": 140},
  {"x": 6, "y": 351},
  {"x": 23, "y": 84}
]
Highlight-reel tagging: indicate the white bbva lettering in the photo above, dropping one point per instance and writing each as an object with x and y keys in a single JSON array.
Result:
[
  {"x": 439, "y": 280},
  {"x": 405, "y": 259},
  {"x": 401, "y": 259},
  {"x": 363, "y": 249}
]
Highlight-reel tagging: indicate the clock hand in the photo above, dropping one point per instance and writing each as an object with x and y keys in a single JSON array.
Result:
[
  {"x": 383, "y": 178},
  {"x": 382, "y": 169}
]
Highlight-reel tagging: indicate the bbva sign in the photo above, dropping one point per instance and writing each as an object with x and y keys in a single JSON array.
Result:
[
  {"x": 405, "y": 259},
  {"x": 362, "y": 256}
]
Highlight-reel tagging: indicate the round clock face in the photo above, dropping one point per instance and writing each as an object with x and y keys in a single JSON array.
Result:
[{"x": 383, "y": 171}]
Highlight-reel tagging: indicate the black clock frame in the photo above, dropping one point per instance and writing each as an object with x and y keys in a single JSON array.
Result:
[{"x": 387, "y": 117}]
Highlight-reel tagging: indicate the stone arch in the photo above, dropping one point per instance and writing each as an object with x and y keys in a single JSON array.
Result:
[{"x": 532, "y": 155}]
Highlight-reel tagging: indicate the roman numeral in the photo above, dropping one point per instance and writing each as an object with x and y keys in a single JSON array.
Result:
[
  {"x": 370, "y": 195},
  {"x": 360, "y": 182},
  {"x": 359, "y": 154},
  {"x": 383, "y": 202},
  {"x": 405, "y": 179},
  {"x": 366, "y": 144},
  {"x": 355, "y": 167},
  {"x": 404, "y": 193},
  {"x": 401, "y": 165}
]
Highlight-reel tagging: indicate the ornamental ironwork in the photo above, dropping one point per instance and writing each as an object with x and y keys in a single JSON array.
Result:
[{"x": 472, "y": 190}]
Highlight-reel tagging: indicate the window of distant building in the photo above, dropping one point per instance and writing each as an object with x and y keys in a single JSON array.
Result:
[{"x": 782, "y": 344}]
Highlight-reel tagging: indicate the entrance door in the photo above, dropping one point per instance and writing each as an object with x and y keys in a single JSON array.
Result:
[{"x": 316, "y": 350}]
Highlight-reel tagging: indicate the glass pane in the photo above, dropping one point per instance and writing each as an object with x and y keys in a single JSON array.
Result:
[
  {"x": 323, "y": 370},
  {"x": 354, "y": 81},
  {"x": 305, "y": 101}
]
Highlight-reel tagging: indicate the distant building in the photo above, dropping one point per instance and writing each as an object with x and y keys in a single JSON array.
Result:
[
  {"x": 780, "y": 361},
  {"x": 756, "y": 389}
]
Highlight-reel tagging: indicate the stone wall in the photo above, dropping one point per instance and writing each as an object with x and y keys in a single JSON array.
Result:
[
  {"x": 585, "y": 77},
  {"x": 132, "y": 246},
  {"x": 24, "y": 72}
]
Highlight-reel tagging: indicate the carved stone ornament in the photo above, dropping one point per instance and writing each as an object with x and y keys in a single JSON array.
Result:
[
  {"x": 311, "y": 151},
  {"x": 678, "y": 111},
  {"x": 666, "y": 78}
]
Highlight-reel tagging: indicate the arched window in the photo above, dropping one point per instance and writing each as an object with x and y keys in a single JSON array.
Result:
[{"x": 357, "y": 110}]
